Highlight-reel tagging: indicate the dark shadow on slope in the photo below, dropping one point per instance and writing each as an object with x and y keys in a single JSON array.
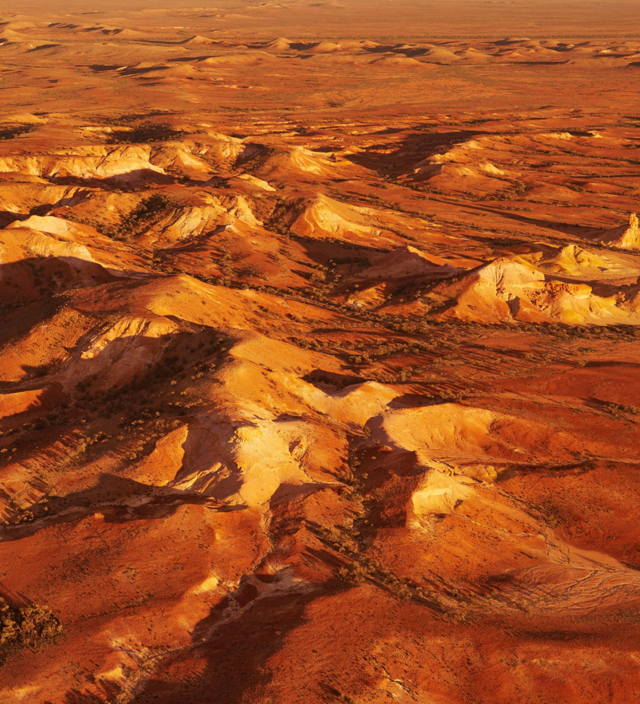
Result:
[
  {"x": 141, "y": 71},
  {"x": 330, "y": 382},
  {"x": 69, "y": 202},
  {"x": 415, "y": 147},
  {"x": 571, "y": 468},
  {"x": 412, "y": 401},
  {"x": 108, "y": 498},
  {"x": 38, "y": 278},
  {"x": 43, "y": 46},
  {"x": 565, "y": 228},
  {"x": 292, "y": 492},
  {"x": 7, "y": 217},
  {"x": 101, "y": 68},
  {"x": 236, "y": 654},
  {"x": 20, "y": 317},
  {"x": 13, "y": 132},
  {"x": 188, "y": 59},
  {"x": 107, "y": 692},
  {"x": 140, "y": 178},
  {"x": 109, "y": 487}
]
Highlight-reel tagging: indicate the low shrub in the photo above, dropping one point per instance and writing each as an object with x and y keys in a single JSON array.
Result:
[{"x": 27, "y": 626}]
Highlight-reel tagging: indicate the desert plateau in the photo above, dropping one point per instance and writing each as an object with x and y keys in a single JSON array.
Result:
[{"x": 319, "y": 352}]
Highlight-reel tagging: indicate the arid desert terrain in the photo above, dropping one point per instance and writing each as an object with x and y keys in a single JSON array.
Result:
[{"x": 319, "y": 352}]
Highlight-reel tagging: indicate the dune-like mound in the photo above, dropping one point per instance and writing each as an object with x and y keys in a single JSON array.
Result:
[
  {"x": 339, "y": 57},
  {"x": 465, "y": 166},
  {"x": 305, "y": 164},
  {"x": 440, "y": 55},
  {"x": 257, "y": 182},
  {"x": 624, "y": 237},
  {"x": 25, "y": 118},
  {"x": 177, "y": 157},
  {"x": 578, "y": 263},
  {"x": 474, "y": 55},
  {"x": 327, "y": 218},
  {"x": 508, "y": 289},
  {"x": 279, "y": 44},
  {"x": 408, "y": 261},
  {"x": 124, "y": 163},
  {"x": 454, "y": 434},
  {"x": 397, "y": 61},
  {"x": 50, "y": 236},
  {"x": 178, "y": 223},
  {"x": 324, "y": 48},
  {"x": 199, "y": 40},
  {"x": 449, "y": 175},
  {"x": 239, "y": 59},
  {"x": 39, "y": 257},
  {"x": 573, "y": 259}
]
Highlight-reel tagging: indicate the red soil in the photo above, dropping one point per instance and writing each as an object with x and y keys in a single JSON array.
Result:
[{"x": 318, "y": 352}]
